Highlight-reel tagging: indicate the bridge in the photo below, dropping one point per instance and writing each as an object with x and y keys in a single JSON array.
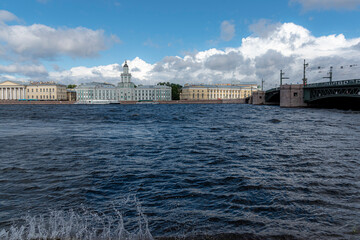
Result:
[
  {"x": 338, "y": 94},
  {"x": 317, "y": 92}
]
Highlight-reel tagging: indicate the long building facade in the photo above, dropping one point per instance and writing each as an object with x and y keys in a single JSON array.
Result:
[
  {"x": 12, "y": 90},
  {"x": 125, "y": 91},
  {"x": 46, "y": 91},
  {"x": 215, "y": 92},
  {"x": 96, "y": 92}
]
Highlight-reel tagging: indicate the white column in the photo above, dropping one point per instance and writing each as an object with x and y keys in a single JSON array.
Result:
[
  {"x": 6, "y": 93},
  {"x": 23, "y": 93},
  {"x": 2, "y": 94}
]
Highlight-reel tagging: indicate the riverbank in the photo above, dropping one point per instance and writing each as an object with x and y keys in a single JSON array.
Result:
[
  {"x": 234, "y": 101},
  {"x": 219, "y": 101},
  {"x": 16, "y": 102}
]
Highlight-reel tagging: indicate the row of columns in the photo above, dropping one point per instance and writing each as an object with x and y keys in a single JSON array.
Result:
[
  {"x": 12, "y": 93},
  {"x": 224, "y": 95}
]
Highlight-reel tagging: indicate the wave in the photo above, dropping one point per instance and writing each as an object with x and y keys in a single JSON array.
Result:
[{"x": 80, "y": 225}]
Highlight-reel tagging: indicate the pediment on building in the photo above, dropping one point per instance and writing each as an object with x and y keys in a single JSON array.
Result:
[{"x": 10, "y": 83}]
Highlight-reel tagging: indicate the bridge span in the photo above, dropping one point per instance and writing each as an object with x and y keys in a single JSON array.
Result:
[{"x": 337, "y": 94}]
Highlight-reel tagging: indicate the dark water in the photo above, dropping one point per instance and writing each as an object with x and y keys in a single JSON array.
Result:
[{"x": 179, "y": 171}]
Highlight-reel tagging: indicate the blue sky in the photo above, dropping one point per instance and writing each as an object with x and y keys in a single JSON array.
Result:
[{"x": 178, "y": 41}]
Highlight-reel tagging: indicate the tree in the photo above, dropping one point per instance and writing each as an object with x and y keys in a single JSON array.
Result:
[
  {"x": 71, "y": 86},
  {"x": 175, "y": 89}
]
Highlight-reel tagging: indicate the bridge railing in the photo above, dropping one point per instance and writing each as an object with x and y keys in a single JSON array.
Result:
[{"x": 335, "y": 83}]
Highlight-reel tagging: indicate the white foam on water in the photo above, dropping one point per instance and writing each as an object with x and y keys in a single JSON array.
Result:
[{"x": 71, "y": 225}]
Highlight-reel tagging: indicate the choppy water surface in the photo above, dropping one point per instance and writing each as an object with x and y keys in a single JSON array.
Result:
[{"x": 179, "y": 171}]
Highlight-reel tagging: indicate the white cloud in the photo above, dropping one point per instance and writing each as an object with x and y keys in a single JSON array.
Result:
[
  {"x": 108, "y": 73},
  {"x": 263, "y": 27},
  {"x": 259, "y": 56},
  {"x": 39, "y": 41},
  {"x": 26, "y": 46},
  {"x": 271, "y": 47},
  {"x": 227, "y": 31},
  {"x": 274, "y": 47},
  {"x": 327, "y": 4},
  {"x": 6, "y": 16},
  {"x": 27, "y": 70}
]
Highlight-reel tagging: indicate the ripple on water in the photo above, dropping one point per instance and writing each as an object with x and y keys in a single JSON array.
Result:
[{"x": 198, "y": 172}]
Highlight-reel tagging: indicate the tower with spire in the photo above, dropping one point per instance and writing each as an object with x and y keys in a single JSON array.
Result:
[
  {"x": 126, "y": 76},
  {"x": 125, "y": 87}
]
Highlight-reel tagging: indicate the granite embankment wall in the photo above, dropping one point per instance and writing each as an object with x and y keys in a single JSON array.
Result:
[
  {"x": 238, "y": 101},
  {"x": 13, "y": 102},
  {"x": 234, "y": 101}
]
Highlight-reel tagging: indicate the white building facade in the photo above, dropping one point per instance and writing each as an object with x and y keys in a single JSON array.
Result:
[
  {"x": 96, "y": 92},
  {"x": 153, "y": 93},
  {"x": 124, "y": 91},
  {"x": 11, "y": 90}
]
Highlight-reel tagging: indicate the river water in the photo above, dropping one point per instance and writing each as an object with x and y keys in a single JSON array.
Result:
[{"x": 178, "y": 172}]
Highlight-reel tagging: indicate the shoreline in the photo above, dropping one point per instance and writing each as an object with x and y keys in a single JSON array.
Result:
[
  {"x": 16, "y": 102},
  {"x": 230, "y": 101}
]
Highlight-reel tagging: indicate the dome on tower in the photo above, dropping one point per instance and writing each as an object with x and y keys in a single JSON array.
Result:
[{"x": 125, "y": 65}]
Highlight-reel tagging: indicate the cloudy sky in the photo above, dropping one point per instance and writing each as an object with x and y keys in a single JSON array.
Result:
[{"x": 197, "y": 41}]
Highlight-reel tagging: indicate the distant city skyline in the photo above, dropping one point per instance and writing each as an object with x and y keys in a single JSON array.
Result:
[{"x": 178, "y": 41}]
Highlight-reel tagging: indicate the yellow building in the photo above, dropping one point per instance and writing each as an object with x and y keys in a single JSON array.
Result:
[
  {"x": 46, "y": 91},
  {"x": 219, "y": 91}
]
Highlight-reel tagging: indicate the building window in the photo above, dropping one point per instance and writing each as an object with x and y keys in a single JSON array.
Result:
[{"x": 295, "y": 94}]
